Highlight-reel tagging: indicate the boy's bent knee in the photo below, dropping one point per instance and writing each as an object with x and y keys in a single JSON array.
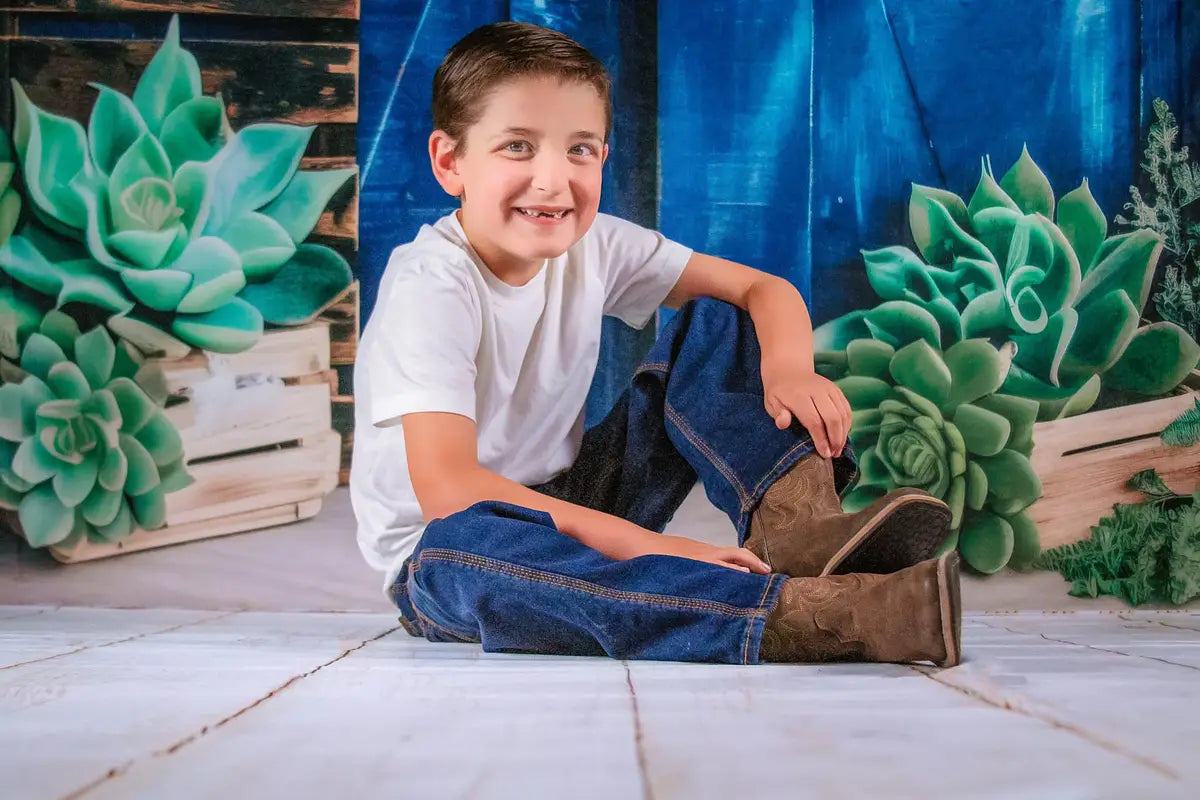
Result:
[{"x": 473, "y": 528}]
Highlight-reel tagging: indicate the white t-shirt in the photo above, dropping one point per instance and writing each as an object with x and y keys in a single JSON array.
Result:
[{"x": 447, "y": 335}]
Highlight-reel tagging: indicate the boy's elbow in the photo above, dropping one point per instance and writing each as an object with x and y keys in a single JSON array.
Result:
[{"x": 443, "y": 494}]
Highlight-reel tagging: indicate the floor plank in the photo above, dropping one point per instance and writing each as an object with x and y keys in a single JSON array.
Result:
[
  {"x": 42, "y": 634},
  {"x": 421, "y": 720},
  {"x": 1069, "y": 670},
  {"x": 860, "y": 731},
  {"x": 66, "y": 723}
]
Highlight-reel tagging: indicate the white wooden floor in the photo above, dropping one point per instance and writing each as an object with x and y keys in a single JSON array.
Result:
[{"x": 152, "y": 703}]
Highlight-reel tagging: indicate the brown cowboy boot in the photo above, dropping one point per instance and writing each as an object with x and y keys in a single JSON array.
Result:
[
  {"x": 911, "y": 615},
  {"x": 799, "y": 528}
]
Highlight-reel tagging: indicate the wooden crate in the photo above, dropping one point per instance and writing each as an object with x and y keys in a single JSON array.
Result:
[
  {"x": 293, "y": 61},
  {"x": 1085, "y": 461},
  {"x": 257, "y": 438}
]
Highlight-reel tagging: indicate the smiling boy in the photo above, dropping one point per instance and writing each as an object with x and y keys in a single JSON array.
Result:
[{"x": 497, "y": 519}]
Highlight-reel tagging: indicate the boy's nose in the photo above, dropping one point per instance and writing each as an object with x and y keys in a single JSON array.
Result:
[{"x": 549, "y": 174}]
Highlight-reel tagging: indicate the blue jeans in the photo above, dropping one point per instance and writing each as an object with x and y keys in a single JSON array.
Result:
[{"x": 503, "y": 575}]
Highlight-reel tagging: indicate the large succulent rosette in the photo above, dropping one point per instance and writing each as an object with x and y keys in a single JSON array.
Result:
[
  {"x": 935, "y": 421},
  {"x": 1012, "y": 265},
  {"x": 185, "y": 233},
  {"x": 85, "y": 449}
]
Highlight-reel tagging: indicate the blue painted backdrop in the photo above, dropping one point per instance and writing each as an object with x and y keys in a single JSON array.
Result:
[{"x": 785, "y": 134}]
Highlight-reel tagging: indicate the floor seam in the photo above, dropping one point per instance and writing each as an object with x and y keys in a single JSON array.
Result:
[
  {"x": 87, "y": 647},
  {"x": 1160, "y": 622},
  {"x": 638, "y": 737},
  {"x": 1100, "y": 649},
  {"x": 24, "y": 614},
  {"x": 1033, "y": 710},
  {"x": 118, "y": 771}
]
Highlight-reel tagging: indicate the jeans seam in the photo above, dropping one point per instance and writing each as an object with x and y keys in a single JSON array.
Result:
[
  {"x": 716, "y": 461},
  {"x": 771, "y": 476},
  {"x": 526, "y": 573},
  {"x": 750, "y": 623}
]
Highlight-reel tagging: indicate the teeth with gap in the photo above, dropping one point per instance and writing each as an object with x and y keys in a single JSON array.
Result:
[{"x": 555, "y": 215}]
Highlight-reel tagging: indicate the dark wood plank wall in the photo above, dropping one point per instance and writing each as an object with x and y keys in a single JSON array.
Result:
[{"x": 309, "y": 77}]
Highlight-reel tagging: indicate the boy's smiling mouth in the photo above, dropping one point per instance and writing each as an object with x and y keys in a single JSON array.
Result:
[{"x": 544, "y": 213}]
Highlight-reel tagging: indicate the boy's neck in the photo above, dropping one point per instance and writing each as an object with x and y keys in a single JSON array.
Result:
[{"x": 505, "y": 270}]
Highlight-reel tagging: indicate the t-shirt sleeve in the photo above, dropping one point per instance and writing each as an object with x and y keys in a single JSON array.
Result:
[
  {"x": 640, "y": 266},
  {"x": 422, "y": 354}
]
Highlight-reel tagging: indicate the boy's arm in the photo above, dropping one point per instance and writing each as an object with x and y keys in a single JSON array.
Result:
[
  {"x": 447, "y": 478},
  {"x": 785, "y": 336}
]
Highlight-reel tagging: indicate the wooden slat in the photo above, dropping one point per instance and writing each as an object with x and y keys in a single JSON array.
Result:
[
  {"x": 244, "y": 419},
  {"x": 179, "y": 534},
  {"x": 1081, "y": 487},
  {"x": 317, "y": 9},
  {"x": 239, "y": 484},
  {"x": 343, "y": 319},
  {"x": 281, "y": 353},
  {"x": 301, "y": 83}
]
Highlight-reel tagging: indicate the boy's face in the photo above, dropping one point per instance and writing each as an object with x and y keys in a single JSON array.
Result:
[{"x": 529, "y": 172}]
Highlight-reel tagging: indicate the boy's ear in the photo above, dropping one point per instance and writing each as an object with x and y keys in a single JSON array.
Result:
[{"x": 444, "y": 162}]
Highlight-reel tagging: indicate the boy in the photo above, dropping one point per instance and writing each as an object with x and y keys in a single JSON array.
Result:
[{"x": 498, "y": 520}]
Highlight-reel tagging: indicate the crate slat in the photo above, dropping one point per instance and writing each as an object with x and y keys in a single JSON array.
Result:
[
  {"x": 317, "y": 9},
  {"x": 264, "y": 416},
  {"x": 179, "y": 534},
  {"x": 282, "y": 353},
  {"x": 237, "y": 484},
  {"x": 298, "y": 82},
  {"x": 1085, "y": 461}
]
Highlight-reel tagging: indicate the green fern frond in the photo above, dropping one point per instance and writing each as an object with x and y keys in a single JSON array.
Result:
[{"x": 1185, "y": 430}]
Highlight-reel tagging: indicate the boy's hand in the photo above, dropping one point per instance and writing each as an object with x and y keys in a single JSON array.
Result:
[
  {"x": 815, "y": 401},
  {"x": 738, "y": 558}
]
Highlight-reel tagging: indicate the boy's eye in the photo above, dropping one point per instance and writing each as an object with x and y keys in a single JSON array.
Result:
[
  {"x": 517, "y": 147},
  {"x": 583, "y": 150}
]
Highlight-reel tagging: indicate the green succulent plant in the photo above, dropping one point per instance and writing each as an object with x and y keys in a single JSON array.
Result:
[
  {"x": 187, "y": 233},
  {"x": 85, "y": 449},
  {"x": 10, "y": 201},
  {"x": 1012, "y": 265},
  {"x": 934, "y": 421}
]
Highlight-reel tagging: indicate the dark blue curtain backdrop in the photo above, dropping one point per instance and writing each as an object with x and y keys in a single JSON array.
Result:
[{"x": 785, "y": 134}]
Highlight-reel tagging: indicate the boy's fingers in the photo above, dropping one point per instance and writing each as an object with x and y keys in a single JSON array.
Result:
[
  {"x": 832, "y": 417},
  {"x": 752, "y": 562},
  {"x": 812, "y": 421}
]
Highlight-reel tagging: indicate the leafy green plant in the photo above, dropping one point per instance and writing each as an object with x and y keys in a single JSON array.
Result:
[
  {"x": 1184, "y": 431},
  {"x": 183, "y": 231},
  {"x": 1144, "y": 552},
  {"x": 1015, "y": 265},
  {"x": 933, "y": 420},
  {"x": 1171, "y": 210},
  {"x": 85, "y": 449}
]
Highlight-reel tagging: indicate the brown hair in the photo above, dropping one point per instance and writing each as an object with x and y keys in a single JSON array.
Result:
[{"x": 493, "y": 54}]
